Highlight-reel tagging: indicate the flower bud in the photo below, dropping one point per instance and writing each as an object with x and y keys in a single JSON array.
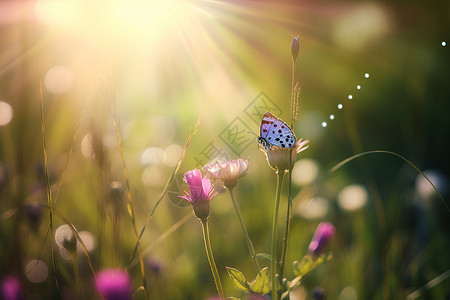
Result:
[
  {"x": 201, "y": 209},
  {"x": 278, "y": 158},
  {"x": 324, "y": 233},
  {"x": 295, "y": 47}
]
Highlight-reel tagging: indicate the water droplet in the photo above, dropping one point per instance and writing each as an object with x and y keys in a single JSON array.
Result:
[
  {"x": 324, "y": 124},
  {"x": 366, "y": 75},
  {"x": 331, "y": 117},
  {"x": 444, "y": 44},
  {"x": 350, "y": 97},
  {"x": 340, "y": 106},
  {"x": 358, "y": 87}
]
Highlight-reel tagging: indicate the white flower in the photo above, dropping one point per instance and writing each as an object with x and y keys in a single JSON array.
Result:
[{"x": 228, "y": 171}]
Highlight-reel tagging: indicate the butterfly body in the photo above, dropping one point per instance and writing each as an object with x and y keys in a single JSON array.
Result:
[{"x": 274, "y": 132}]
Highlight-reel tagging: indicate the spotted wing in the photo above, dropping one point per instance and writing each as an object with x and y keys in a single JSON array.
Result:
[
  {"x": 266, "y": 124},
  {"x": 276, "y": 132}
]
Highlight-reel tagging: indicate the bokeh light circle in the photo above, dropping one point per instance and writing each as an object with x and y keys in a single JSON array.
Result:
[
  {"x": 171, "y": 154},
  {"x": 152, "y": 176},
  {"x": 63, "y": 233},
  {"x": 6, "y": 113},
  {"x": 89, "y": 241},
  {"x": 305, "y": 171},
  {"x": 352, "y": 197},
  {"x": 58, "y": 80},
  {"x": 152, "y": 156},
  {"x": 36, "y": 271},
  {"x": 314, "y": 208}
]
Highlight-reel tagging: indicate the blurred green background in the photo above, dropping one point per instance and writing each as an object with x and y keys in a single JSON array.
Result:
[{"x": 164, "y": 62}]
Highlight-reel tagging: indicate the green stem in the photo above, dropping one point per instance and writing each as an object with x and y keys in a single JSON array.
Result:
[
  {"x": 289, "y": 207},
  {"x": 212, "y": 264},
  {"x": 280, "y": 176},
  {"x": 288, "y": 220},
  {"x": 244, "y": 230}
]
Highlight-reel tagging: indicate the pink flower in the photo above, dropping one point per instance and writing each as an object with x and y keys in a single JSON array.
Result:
[
  {"x": 11, "y": 289},
  {"x": 200, "y": 193},
  {"x": 228, "y": 171},
  {"x": 324, "y": 232},
  {"x": 114, "y": 284}
]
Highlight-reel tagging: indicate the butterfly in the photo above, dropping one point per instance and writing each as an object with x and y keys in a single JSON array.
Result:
[{"x": 275, "y": 132}]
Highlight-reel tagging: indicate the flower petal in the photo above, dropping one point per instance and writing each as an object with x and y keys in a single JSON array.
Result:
[
  {"x": 194, "y": 180},
  {"x": 207, "y": 188}
]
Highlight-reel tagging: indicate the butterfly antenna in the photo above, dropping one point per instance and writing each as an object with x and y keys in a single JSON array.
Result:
[{"x": 253, "y": 134}]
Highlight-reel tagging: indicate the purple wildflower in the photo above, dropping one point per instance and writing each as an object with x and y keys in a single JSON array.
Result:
[
  {"x": 114, "y": 284},
  {"x": 200, "y": 193},
  {"x": 322, "y": 236},
  {"x": 11, "y": 288}
]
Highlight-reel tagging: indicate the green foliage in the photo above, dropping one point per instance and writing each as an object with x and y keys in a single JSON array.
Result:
[
  {"x": 238, "y": 279},
  {"x": 309, "y": 263},
  {"x": 260, "y": 285}
]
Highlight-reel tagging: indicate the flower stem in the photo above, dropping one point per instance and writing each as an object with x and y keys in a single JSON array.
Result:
[
  {"x": 280, "y": 176},
  {"x": 288, "y": 220},
  {"x": 212, "y": 264},
  {"x": 289, "y": 206},
  {"x": 244, "y": 230}
]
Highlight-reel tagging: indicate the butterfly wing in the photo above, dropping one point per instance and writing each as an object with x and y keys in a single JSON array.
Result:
[
  {"x": 276, "y": 132},
  {"x": 266, "y": 124}
]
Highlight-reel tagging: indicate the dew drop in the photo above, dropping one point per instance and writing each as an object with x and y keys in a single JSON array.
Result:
[
  {"x": 324, "y": 124},
  {"x": 366, "y": 75},
  {"x": 340, "y": 106},
  {"x": 350, "y": 97},
  {"x": 444, "y": 44},
  {"x": 358, "y": 87},
  {"x": 331, "y": 117}
]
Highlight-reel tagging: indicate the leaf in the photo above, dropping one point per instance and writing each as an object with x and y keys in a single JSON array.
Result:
[
  {"x": 309, "y": 263},
  {"x": 238, "y": 279},
  {"x": 264, "y": 255},
  {"x": 261, "y": 284}
]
